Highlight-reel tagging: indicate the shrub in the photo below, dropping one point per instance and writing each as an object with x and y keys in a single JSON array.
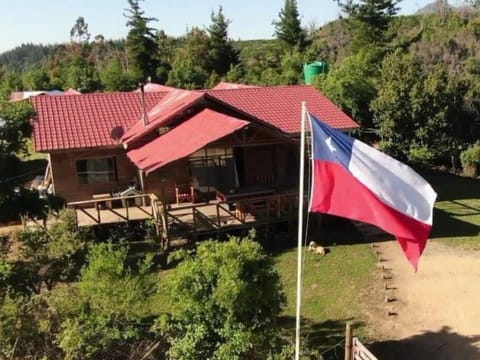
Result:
[
  {"x": 19, "y": 329},
  {"x": 470, "y": 159},
  {"x": 224, "y": 302},
  {"x": 421, "y": 155},
  {"x": 110, "y": 304},
  {"x": 50, "y": 255}
]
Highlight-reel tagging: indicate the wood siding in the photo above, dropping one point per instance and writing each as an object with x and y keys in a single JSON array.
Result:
[
  {"x": 65, "y": 173},
  {"x": 162, "y": 181}
]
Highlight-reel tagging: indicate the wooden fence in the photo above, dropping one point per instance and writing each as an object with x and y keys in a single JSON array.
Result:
[{"x": 354, "y": 349}]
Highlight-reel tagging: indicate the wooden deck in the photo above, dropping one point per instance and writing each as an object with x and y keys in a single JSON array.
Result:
[{"x": 187, "y": 219}]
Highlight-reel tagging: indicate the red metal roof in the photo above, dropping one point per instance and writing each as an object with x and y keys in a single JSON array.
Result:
[
  {"x": 74, "y": 122},
  {"x": 280, "y": 106},
  {"x": 185, "y": 139},
  {"x": 85, "y": 121},
  {"x": 166, "y": 109}
]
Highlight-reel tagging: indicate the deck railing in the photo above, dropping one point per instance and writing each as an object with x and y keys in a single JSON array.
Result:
[
  {"x": 96, "y": 208},
  {"x": 217, "y": 215},
  {"x": 188, "y": 219}
]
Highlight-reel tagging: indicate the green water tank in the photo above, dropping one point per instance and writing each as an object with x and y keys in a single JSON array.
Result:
[{"x": 313, "y": 69}]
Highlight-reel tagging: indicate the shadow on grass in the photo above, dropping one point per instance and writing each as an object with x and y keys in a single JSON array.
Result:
[
  {"x": 445, "y": 226},
  {"x": 443, "y": 344},
  {"x": 328, "y": 336},
  {"x": 453, "y": 187},
  {"x": 326, "y": 230}
]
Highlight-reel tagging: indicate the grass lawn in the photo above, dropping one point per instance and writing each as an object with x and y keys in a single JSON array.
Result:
[
  {"x": 332, "y": 291},
  {"x": 32, "y": 155},
  {"x": 31, "y": 165},
  {"x": 456, "y": 218}
]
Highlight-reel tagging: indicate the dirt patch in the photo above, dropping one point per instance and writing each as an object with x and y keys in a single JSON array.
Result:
[
  {"x": 9, "y": 229},
  {"x": 437, "y": 309}
]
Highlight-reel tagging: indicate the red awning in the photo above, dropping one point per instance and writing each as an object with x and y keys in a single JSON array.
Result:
[{"x": 187, "y": 138}]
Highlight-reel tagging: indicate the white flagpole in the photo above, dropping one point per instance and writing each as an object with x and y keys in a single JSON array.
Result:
[{"x": 300, "y": 230}]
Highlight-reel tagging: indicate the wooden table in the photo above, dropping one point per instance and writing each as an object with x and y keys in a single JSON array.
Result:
[
  {"x": 240, "y": 195},
  {"x": 107, "y": 203}
]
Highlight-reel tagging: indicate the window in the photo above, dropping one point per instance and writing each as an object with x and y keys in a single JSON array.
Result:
[
  {"x": 211, "y": 157},
  {"x": 97, "y": 171},
  {"x": 213, "y": 167}
]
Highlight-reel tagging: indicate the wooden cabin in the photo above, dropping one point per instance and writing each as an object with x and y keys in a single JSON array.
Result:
[{"x": 234, "y": 149}]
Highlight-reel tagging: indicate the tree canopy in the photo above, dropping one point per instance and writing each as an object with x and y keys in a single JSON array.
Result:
[
  {"x": 141, "y": 43},
  {"x": 79, "y": 31},
  {"x": 222, "y": 53},
  {"x": 369, "y": 19},
  {"x": 288, "y": 26},
  {"x": 15, "y": 126}
]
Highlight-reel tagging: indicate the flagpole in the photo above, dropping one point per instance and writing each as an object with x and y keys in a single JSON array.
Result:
[{"x": 300, "y": 229}]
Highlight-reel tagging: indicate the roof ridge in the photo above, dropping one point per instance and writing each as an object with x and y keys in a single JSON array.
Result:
[
  {"x": 256, "y": 87},
  {"x": 132, "y": 93}
]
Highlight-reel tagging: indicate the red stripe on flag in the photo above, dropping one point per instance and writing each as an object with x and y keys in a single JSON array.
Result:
[{"x": 335, "y": 191}]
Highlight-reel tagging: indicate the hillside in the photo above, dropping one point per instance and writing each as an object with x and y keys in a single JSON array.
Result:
[
  {"x": 26, "y": 56},
  {"x": 435, "y": 7}
]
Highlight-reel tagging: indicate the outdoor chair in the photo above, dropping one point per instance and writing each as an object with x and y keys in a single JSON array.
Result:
[{"x": 184, "y": 193}]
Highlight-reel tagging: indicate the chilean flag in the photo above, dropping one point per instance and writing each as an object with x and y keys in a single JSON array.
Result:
[{"x": 356, "y": 181}]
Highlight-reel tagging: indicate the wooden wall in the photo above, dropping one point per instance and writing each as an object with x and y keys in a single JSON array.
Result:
[
  {"x": 65, "y": 178},
  {"x": 162, "y": 181},
  {"x": 271, "y": 165}
]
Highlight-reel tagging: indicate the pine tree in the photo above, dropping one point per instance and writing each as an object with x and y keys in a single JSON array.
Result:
[
  {"x": 141, "y": 42},
  {"x": 288, "y": 28},
  {"x": 222, "y": 53},
  {"x": 369, "y": 19}
]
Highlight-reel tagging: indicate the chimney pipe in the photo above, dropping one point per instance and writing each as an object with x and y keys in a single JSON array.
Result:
[{"x": 144, "y": 111}]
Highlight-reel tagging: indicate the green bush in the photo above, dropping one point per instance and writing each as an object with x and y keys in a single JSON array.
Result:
[
  {"x": 421, "y": 155},
  {"x": 49, "y": 255},
  {"x": 109, "y": 306},
  {"x": 470, "y": 159},
  {"x": 20, "y": 335},
  {"x": 224, "y": 303}
]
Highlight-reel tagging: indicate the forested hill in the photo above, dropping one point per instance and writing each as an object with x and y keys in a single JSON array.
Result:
[{"x": 26, "y": 56}]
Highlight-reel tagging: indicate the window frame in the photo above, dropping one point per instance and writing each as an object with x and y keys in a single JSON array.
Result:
[{"x": 111, "y": 174}]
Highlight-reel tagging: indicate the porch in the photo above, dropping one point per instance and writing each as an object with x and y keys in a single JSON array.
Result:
[{"x": 189, "y": 220}]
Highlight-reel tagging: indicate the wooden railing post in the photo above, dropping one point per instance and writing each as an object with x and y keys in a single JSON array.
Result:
[
  {"x": 194, "y": 219},
  {"x": 218, "y": 216},
  {"x": 348, "y": 341}
]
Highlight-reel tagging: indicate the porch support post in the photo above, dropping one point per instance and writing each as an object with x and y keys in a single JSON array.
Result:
[
  {"x": 142, "y": 185},
  {"x": 51, "y": 173}
]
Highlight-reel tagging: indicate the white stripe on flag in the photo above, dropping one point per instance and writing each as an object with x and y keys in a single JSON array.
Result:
[{"x": 394, "y": 183}]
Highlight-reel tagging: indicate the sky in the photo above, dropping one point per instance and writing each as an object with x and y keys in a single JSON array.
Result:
[{"x": 50, "y": 21}]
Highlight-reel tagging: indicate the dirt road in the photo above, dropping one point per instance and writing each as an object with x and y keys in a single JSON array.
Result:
[{"x": 437, "y": 309}]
